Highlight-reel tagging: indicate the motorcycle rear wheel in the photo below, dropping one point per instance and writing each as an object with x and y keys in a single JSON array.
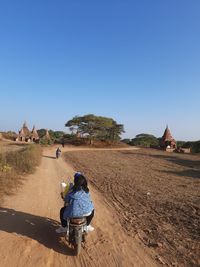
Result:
[{"x": 77, "y": 248}]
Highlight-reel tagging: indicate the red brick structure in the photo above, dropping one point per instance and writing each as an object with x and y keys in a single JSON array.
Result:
[
  {"x": 34, "y": 135},
  {"x": 47, "y": 135},
  {"x": 25, "y": 135},
  {"x": 167, "y": 141}
]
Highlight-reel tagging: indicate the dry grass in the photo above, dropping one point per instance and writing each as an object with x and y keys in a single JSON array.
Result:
[
  {"x": 15, "y": 164},
  {"x": 8, "y": 146}
]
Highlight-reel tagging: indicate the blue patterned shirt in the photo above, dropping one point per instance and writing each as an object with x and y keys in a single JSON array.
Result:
[{"x": 79, "y": 204}]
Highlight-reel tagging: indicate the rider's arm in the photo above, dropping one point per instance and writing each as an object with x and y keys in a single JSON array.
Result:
[{"x": 67, "y": 198}]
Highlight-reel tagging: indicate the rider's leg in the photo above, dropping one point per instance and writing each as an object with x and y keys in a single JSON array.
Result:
[
  {"x": 63, "y": 222},
  {"x": 90, "y": 217}
]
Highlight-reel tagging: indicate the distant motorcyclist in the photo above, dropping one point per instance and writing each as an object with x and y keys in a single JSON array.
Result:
[
  {"x": 79, "y": 204},
  {"x": 58, "y": 152}
]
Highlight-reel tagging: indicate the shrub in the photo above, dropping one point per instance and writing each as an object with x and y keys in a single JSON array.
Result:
[
  {"x": 25, "y": 160},
  {"x": 9, "y": 135},
  {"x": 16, "y": 163}
]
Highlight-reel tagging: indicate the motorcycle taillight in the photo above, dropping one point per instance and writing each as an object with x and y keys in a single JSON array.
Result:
[{"x": 77, "y": 221}]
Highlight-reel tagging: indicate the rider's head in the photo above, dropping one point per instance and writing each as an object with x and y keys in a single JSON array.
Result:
[
  {"x": 76, "y": 175},
  {"x": 80, "y": 182}
]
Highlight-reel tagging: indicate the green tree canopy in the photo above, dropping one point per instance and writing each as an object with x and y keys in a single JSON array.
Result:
[
  {"x": 41, "y": 132},
  {"x": 194, "y": 145},
  {"x": 145, "y": 140},
  {"x": 96, "y": 127},
  {"x": 55, "y": 135}
]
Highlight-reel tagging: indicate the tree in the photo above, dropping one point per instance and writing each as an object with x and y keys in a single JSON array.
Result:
[
  {"x": 54, "y": 136},
  {"x": 41, "y": 132},
  {"x": 58, "y": 134},
  {"x": 115, "y": 131},
  {"x": 196, "y": 147},
  {"x": 145, "y": 140},
  {"x": 96, "y": 127},
  {"x": 126, "y": 141},
  {"x": 181, "y": 143}
]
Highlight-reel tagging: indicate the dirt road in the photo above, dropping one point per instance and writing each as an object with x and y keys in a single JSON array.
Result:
[{"x": 29, "y": 218}]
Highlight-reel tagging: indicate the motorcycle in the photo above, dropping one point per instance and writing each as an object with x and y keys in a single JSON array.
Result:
[
  {"x": 76, "y": 235},
  {"x": 76, "y": 227},
  {"x": 58, "y": 153}
]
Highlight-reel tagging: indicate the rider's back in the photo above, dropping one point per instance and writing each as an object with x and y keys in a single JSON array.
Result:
[{"x": 79, "y": 204}]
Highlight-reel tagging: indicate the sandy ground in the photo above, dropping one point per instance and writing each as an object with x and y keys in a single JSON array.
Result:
[
  {"x": 29, "y": 218},
  {"x": 156, "y": 194}
]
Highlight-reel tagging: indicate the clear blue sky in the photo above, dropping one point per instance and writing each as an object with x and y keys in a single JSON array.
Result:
[{"x": 137, "y": 61}]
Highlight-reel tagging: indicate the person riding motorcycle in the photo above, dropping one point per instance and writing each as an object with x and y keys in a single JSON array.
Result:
[
  {"x": 58, "y": 152},
  {"x": 78, "y": 204}
]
